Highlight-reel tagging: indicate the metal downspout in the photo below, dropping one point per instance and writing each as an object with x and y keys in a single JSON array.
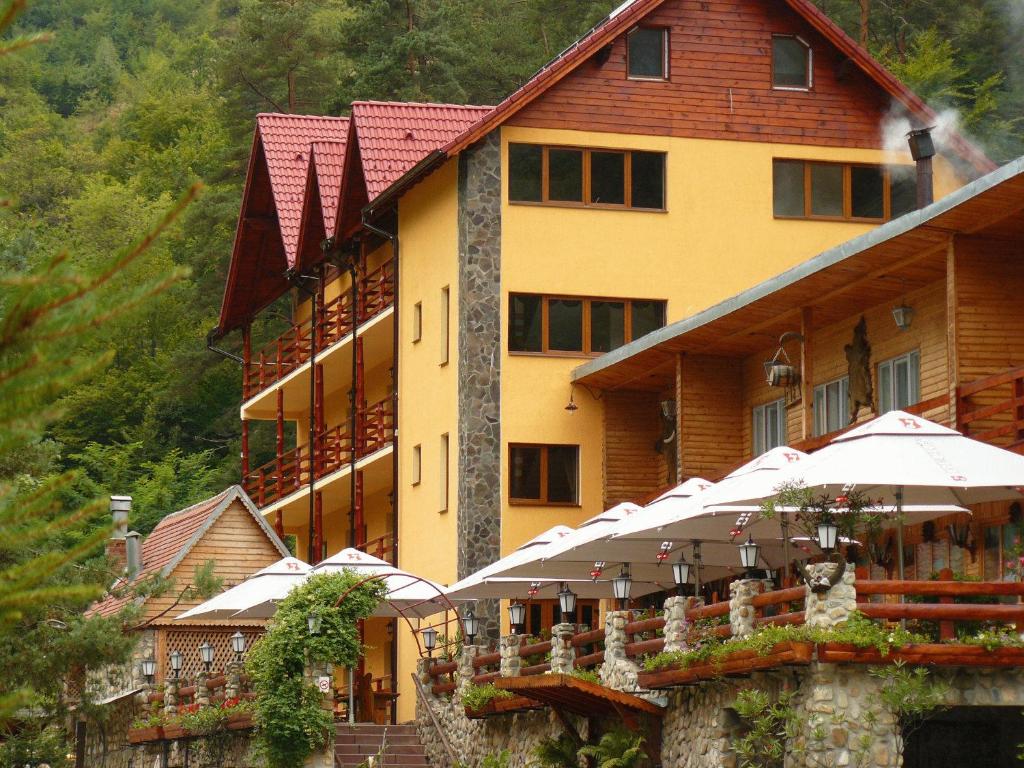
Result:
[{"x": 353, "y": 271}]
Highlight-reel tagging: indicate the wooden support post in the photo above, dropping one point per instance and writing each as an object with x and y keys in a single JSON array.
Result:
[
  {"x": 679, "y": 418},
  {"x": 359, "y": 401},
  {"x": 947, "y": 630},
  {"x": 359, "y": 512},
  {"x": 245, "y": 449},
  {"x": 279, "y": 480},
  {"x": 318, "y": 529},
  {"x": 279, "y": 524},
  {"x": 952, "y": 341},
  {"x": 246, "y": 359},
  {"x": 806, "y": 374}
]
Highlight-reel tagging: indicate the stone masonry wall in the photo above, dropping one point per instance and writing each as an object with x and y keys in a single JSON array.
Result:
[{"x": 479, "y": 375}]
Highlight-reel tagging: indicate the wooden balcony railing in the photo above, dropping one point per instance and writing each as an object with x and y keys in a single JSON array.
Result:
[
  {"x": 289, "y": 472},
  {"x": 382, "y": 547},
  {"x": 992, "y": 409},
  {"x": 333, "y": 322}
]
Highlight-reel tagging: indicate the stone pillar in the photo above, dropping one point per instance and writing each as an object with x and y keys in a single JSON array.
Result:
[
  {"x": 171, "y": 695},
  {"x": 741, "y": 609},
  {"x": 563, "y": 655},
  {"x": 233, "y": 686},
  {"x": 826, "y": 607},
  {"x": 511, "y": 662},
  {"x": 423, "y": 673},
  {"x": 618, "y": 671},
  {"x": 466, "y": 671},
  {"x": 677, "y": 626},
  {"x": 202, "y": 692}
]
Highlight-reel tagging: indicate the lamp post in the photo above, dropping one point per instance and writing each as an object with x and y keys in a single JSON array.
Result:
[
  {"x": 517, "y": 617},
  {"x": 429, "y": 640},
  {"x": 313, "y": 622},
  {"x": 149, "y": 670},
  {"x": 681, "y": 573},
  {"x": 470, "y": 625},
  {"x": 206, "y": 654},
  {"x": 238, "y": 645},
  {"x": 567, "y": 604},
  {"x": 621, "y": 585},
  {"x": 176, "y": 659},
  {"x": 748, "y": 555}
]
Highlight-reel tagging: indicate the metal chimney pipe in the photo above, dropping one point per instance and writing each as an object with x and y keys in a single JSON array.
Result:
[
  {"x": 922, "y": 149},
  {"x": 120, "y": 507},
  {"x": 133, "y": 553}
]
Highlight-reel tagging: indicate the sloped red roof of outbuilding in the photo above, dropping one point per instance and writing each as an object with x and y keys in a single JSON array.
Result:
[
  {"x": 286, "y": 144},
  {"x": 395, "y": 136}
]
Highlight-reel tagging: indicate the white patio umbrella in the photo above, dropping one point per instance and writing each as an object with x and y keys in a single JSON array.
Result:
[
  {"x": 262, "y": 591},
  {"x": 920, "y": 468},
  {"x": 520, "y": 589}
]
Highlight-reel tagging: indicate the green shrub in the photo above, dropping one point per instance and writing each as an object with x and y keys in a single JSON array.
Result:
[{"x": 476, "y": 697}]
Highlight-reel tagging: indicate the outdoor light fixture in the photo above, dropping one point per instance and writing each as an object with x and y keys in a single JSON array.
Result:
[
  {"x": 567, "y": 602},
  {"x": 238, "y": 645},
  {"x": 903, "y": 315},
  {"x": 176, "y": 660},
  {"x": 828, "y": 532},
  {"x": 681, "y": 573},
  {"x": 313, "y": 622},
  {"x": 149, "y": 669},
  {"x": 621, "y": 585},
  {"x": 748, "y": 553},
  {"x": 470, "y": 624},
  {"x": 534, "y": 589},
  {"x": 429, "y": 639},
  {"x": 664, "y": 551},
  {"x": 780, "y": 371},
  {"x": 206, "y": 654},
  {"x": 516, "y": 616},
  {"x": 572, "y": 402},
  {"x": 595, "y": 572}
]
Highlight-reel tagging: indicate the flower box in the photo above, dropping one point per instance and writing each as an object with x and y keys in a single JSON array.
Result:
[
  {"x": 501, "y": 706},
  {"x": 174, "y": 732},
  {"x": 143, "y": 735},
  {"x": 739, "y": 663},
  {"x": 239, "y": 721}
]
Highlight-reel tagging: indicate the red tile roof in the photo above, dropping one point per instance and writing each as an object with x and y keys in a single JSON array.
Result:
[
  {"x": 395, "y": 136},
  {"x": 286, "y": 144},
  {"x": 171, "y": 540},
  {"x": 328, "y": 160}
]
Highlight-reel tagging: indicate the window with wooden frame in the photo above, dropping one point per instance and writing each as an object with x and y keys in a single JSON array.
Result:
[
  {"x": 830, "y": 406},
  {"x": 899, "y": 382},
  {"x": 571, "y": 325},
  {"x": 1001, "y": 548},
  {"x": 769, "y": 427},
  {"x": 804, "y": 189},
  {"x": 544, "y": 474},
  {"x": 417, "y": 464},
  {"x": 445, "y": 477},
  {"x": 446, "y": 321},
  {"x": 583, "y": 177},
  {"x": 417, "y": 321},
  {"x": 792, "y": 63},
  {"x": 647, "y": 53}
]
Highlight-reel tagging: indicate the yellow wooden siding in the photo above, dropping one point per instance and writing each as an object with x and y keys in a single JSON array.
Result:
[{"x": 633, "y": 468}]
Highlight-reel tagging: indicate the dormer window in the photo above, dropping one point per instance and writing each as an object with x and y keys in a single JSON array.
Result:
[
  {"x": 647, "y": 53},
  {"x": 791, "y": 63}
]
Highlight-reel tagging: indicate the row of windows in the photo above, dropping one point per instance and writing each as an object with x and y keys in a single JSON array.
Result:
[
  {"x": 591, "y": 177},
  {"x": 647, "y": 58},
  {"x": 568, "y": 324},
  {"x": 898, "y": 388},
  {"x": 809, "y": 190}
]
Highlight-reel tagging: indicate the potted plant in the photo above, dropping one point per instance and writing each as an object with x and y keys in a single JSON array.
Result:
[{"x": 149, "y": 728}]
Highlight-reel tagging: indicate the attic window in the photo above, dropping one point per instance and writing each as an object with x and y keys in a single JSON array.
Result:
[
  {"x": 647, "y": 53},
  {"x": 791, "y": 63}
]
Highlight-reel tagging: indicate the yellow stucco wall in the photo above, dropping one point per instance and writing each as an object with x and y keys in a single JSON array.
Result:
[
  {"x": 717, "y": 237},
  {"x": 428, "y": 391}
]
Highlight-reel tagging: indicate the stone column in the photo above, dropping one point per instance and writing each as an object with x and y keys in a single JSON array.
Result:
[
  {"x": 171, "y": 695},
  {"x": 202, "y": 692},
  {"x": 466, "y": 671},
  {"x": 563, "y": 655},
  {"x": 826, "y": 607},
  {"x": 741, "y": 609},
  {"x": 423, "y": 673},
  {"x": 677, "y": 626},
  {"x": 233, "y": 686},
  {"x": 511, "y": 662},
  {"x": 618, "y": 671}
]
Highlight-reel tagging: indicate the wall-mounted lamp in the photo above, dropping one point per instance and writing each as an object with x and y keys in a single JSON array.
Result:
[
  {"x": 903, "y": 315},
  {"x": 780, "y": 371},
  {"x": 572, "y": 407},
  {"x": 149, "y": 669}
]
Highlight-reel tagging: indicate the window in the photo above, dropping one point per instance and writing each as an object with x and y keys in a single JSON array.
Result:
[
  {"x": 899, "y": 382},
  {"x": 1000, "y": 542},
  {"x": 417, "y": 464},
  {"x": 572, "y": 325},
  {"x": 417, "y": 321},
  {"x": 544, "y": 474},
  {"x": 446, "y": 320},
  {"x": 586, "y": 177},
  {"x": 792, "y": 63},
  {"x": 841, "y": 191},
  {"x": 443, "y": 455},
  {"x": 647, "y": 53},
  {"x": 830, "y": 402},
  {"x": 769, "y": 426}
]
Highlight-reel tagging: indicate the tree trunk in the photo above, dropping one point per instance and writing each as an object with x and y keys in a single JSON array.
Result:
[{"x": 865, "y": 15}]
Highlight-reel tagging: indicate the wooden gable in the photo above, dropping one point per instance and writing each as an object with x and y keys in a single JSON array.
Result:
[
  {"x": 238, "y": 546},
  {"x": 719, "y": 84}
]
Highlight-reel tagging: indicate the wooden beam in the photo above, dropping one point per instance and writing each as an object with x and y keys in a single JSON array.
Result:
[
  {"x": 952, "y": 337},
  {"x": 679, "y": 416},
  {"x": 807, "y": 373}
]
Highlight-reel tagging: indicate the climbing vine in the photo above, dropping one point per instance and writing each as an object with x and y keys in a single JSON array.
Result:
[{"x": 292, "y": 724}]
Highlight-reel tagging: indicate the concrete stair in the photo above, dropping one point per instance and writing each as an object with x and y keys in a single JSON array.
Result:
[{"x": 355, "y": 743}]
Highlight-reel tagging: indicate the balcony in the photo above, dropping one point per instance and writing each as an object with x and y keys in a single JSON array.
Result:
[
  {"x": 289, "y": 473},
  {"x": 291, "y": 350},
  {"x": 992, "y": 409}
]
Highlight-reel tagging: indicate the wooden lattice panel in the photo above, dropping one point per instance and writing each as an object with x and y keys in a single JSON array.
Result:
[{"x": 188, "y": 641}]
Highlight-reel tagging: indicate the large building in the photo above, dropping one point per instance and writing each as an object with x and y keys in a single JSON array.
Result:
[{"x": 453, "y": 267}]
